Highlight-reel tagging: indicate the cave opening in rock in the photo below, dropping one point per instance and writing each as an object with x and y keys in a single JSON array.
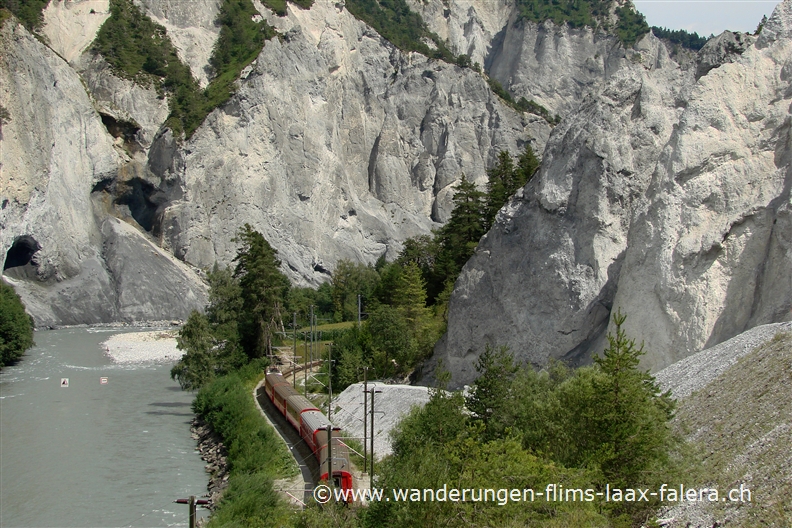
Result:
[
  {"x": 19, "y": 257},
  {"x": 142, "y": 199},
  {"x": 123, "y": 129}
]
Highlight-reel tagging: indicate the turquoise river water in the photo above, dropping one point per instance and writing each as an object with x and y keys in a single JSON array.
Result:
[{"x": 93, "y": 454}]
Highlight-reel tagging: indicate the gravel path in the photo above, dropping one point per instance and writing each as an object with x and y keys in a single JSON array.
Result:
[
  {"x": 142, "y": 347},
  {"x": 696, "y": 371}
]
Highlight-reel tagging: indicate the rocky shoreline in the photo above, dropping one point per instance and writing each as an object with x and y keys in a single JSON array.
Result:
[{"x": 213, "y": 452}]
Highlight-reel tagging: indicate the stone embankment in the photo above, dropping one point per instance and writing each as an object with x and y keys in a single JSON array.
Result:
[{"x": 213, "y": 452}]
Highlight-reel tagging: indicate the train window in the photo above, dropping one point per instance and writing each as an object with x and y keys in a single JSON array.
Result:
[{"x": 337, "y": 481}]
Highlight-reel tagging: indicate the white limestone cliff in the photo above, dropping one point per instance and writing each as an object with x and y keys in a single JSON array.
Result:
[{"x": 663, "y": 196}]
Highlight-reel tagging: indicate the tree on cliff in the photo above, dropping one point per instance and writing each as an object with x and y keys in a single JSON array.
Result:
[{"x": 16, "y": 327}]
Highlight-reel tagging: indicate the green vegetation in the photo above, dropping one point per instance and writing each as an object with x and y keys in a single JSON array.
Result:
[
  {"x": 402, "y": 27},
  {"x": 5, "y": 116},
  {"x": 139, "y": 49},
  {"x": 687, "y": 40},
  {"x": 522, "y": 105},
  {"x": 29, "y": 12},
  {"x": 255, "y": 453},
  {"x": 279, "y": 6},
  {"x": 630, "y": 27},
  {"x": 242, "y": 318},
  {"x": 16, "y": 326},
  {"x": 518, "y": 428}
]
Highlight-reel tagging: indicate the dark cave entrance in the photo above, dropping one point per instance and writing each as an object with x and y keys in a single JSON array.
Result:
[{"x": 19, "y": 262}]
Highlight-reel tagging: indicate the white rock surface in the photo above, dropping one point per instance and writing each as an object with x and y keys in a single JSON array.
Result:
[
  {"x": 390, "y": 407},
  {"x": 663, "y": 196},
  {"x": 336, "y": 146},
  {"x": 70, "y": 26},
  {"x": 87, "y": 267},
  {"x": 468, "y": 26}
]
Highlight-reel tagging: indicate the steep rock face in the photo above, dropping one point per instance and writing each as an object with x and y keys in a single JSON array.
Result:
[
  {"x": 56, "y": 240},
  {"x": 552, "y": 65},
  {"x": 469, "y": 26},
  {"x": 665, "y": 198},
  {"x": 336, "y": 146},
  {"x": 716, "y": 238},
  {"x": 71, "y": 25}
]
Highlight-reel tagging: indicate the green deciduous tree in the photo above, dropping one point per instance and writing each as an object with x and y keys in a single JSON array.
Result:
[
  {"x": 197, "y": 365},
  {"x": 16, "y": 326}
]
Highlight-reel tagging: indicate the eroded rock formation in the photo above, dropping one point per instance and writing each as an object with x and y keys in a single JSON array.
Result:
[{"x": 665, "y": 196}]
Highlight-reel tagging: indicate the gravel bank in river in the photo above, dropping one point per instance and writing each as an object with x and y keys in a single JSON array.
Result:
[{"x": 141, "y": 347}]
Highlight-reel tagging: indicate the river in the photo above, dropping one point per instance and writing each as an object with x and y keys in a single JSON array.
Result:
[{"x": 93, "y": 454}]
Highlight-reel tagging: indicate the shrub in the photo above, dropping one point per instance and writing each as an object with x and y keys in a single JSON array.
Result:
[{"x": 16, "y": 326}]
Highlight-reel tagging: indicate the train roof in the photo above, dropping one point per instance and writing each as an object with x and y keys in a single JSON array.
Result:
[
  {"x": 314, "y": 420},
  {"x": 300, "y": 403}
]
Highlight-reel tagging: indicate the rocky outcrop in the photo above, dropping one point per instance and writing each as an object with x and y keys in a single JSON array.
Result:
[
  {"x": 724, "y": 48},
  {"x": 552, "y": 65},
  {"x": 665, "y": 197},
  {"x": 71, "y": 262},
  {"x": 70, "y": 26},
  {"x": 337, "y": 145}
]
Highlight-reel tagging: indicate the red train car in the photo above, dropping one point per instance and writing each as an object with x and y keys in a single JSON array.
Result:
[{"x": 313, "y": 426}]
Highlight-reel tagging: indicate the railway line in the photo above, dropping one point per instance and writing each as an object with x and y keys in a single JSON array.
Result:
[{"x": 305, "y": 431}]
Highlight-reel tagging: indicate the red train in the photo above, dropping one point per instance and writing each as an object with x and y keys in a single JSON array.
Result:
[{"x": 312, "y": 425}]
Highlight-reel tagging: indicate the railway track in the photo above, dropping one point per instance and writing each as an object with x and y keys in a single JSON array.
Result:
[{"x": 309, "y": 467}]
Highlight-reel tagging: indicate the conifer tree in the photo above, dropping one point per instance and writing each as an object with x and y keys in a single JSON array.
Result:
[
  {"x": 632, "y": 419},
  {"x": 460, "y": 236},
  {"x": 264, "y": 288}
]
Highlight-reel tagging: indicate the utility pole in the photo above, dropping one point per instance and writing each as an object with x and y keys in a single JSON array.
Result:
[
  {"x": 311, "y": 325},
  {"x": 294, "y": 368},
  {"x": 330, "y": 379},
  {"x": 365, "y": 423},
  {"x": 358, "y": 311},
  {"x": 305, "y": 354},
  {"x": 330, "y": 454},
  {"x": 371, "y": 475},
  {"x": 192, "y": 503}
]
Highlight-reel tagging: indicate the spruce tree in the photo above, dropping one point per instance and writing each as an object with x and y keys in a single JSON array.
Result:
[
  {"x": 632, "y": 415},
  {"x": 264, "y": 288},
  {"x": 460, "y": 236}
]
